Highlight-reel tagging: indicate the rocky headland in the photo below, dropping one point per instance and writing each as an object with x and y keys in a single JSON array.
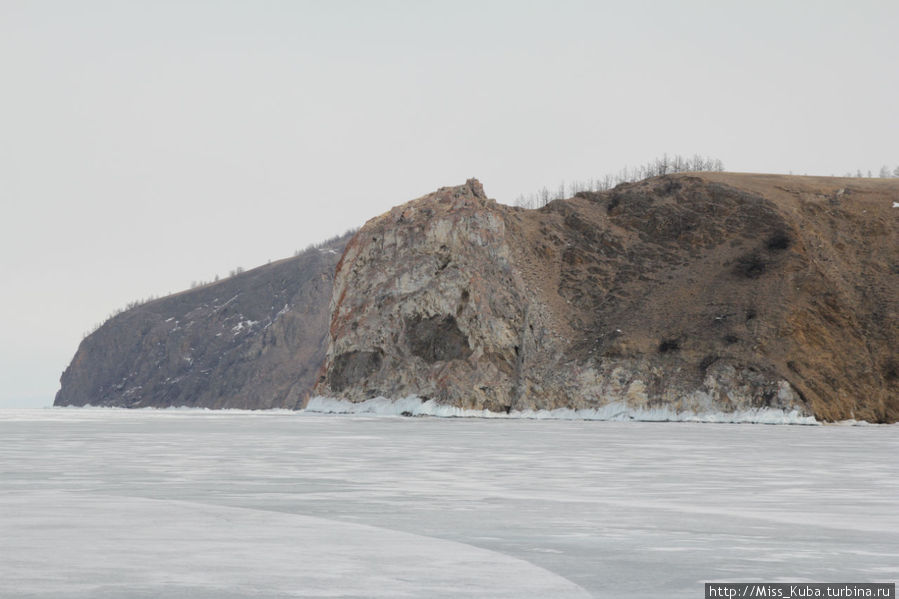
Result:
[{"x": 702, "y": 292}]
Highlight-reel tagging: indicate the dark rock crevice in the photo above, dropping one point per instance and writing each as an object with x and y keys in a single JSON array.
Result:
[{"x": 436, "y": 339}]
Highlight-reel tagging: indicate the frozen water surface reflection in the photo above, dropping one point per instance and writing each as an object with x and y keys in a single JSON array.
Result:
[{"x": 114, "y": 503}]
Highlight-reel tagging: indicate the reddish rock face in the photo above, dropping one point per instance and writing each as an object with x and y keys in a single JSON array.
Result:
[{"x": 705, "y": 292}]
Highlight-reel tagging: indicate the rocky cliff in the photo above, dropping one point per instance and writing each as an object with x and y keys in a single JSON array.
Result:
[
  {"x": 703, "y": 292},
  {"x": 254, "y": 340}
]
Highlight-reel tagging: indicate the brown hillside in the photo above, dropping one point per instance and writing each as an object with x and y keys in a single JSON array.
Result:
[{"x": 706, "y": 291}]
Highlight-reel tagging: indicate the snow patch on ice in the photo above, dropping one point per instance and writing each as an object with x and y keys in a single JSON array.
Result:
[{"x": 415, "y": 406}]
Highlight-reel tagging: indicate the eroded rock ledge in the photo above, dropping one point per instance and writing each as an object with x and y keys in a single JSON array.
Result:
[{"x": 706, "y": 292}]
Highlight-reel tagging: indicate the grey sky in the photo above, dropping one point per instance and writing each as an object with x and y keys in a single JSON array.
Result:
[{"x": 144, "y": 145}]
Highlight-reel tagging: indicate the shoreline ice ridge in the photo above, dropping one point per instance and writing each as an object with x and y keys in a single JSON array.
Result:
[{"x": 415, "y": 406}]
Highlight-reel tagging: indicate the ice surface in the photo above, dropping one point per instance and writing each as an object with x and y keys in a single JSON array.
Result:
[
  {"x": 415, "y": 406},
  {"x": 92, "y": 545},
  {"x": 202, "y": 504}
]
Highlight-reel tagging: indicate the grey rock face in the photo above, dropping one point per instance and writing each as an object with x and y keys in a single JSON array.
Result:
[
  {"x": 255, "y": 340},
  {"x": 426, "y": 302}
]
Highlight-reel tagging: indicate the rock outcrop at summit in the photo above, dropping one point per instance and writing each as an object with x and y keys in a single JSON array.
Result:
[
  {"x": 255, "y": 340},
  {"x": 702, "y": 292}
]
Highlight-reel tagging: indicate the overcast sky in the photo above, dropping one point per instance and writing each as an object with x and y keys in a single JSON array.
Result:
[{"x": 145, "y": 145}]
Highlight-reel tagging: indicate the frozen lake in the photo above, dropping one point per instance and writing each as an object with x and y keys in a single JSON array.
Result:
[{"x": 119, "y": 504}]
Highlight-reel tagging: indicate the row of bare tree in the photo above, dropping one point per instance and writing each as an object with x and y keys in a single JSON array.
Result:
[
  {"x": 885, "y": 173},
  {"x": 660, "y": 166}
]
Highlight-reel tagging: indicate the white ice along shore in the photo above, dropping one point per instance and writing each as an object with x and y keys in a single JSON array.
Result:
[{"x": 615, "y": 411}]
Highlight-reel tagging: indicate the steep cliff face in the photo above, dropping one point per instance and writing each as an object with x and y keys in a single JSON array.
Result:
[
  {"x": 704, "y": 292},
  {"x": 255, "y": 340}
]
